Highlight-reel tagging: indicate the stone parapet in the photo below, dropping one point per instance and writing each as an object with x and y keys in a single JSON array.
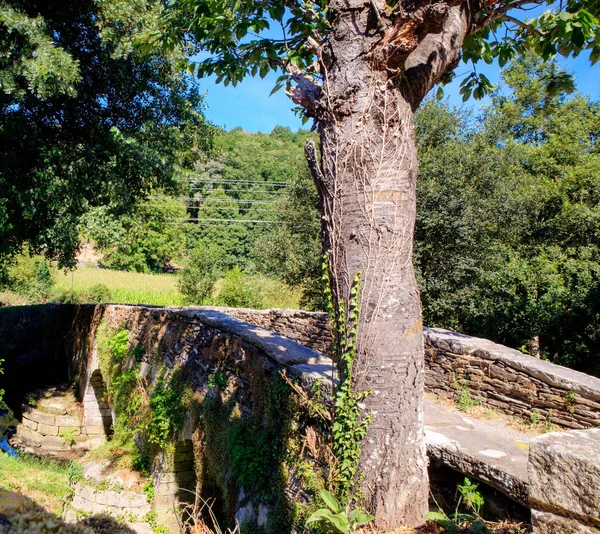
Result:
[
  {"x": 564, "y": 482},
  {"x": 510, "y": 381}
]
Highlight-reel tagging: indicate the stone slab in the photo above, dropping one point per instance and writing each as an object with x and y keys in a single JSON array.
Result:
[
  {"x": 555, "y": 375},
  {"x": 548, "y": 523},
  {"x": 40, "y": 417},
  {"x": 495, "y": 455},
  {"x": 564, "y": 475}
]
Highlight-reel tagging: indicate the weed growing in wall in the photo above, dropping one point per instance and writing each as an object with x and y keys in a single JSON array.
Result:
[
  {"x": 167, "y": 410},
  {"x": 156, "y": 412}
]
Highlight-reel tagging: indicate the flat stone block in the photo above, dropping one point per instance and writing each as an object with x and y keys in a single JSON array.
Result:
[
  {"x": 95, "y": 430},
  {"x": 168, "y": 488},
  {"x": 86, "y": 493},
  {"x": 548, "y": 523},
  {"x": 47, "y": 430},
  {"x": 67, "y": 420},
  {"x": 564, "y": 474},
  {"x": 94, "y": 421},
  {"x": 162, "y": 502},
  {"x": 29, "y": 436},
  {"x": 56, "y": 407},
  {"x": 41, "y": 417},
  {"x": 30, "y": 424},
  {"x": 55, "y": 443}
]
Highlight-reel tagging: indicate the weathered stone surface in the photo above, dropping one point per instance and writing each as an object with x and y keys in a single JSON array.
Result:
[
  {"x": 495, "y": 455},
  {"x": 47, "y": 430},
  {"x": 67, "y": 420},
  {"x": 548, "y": 523},
  {"x": 564, "y": 475},
  {"x": 29, "y": 424},
  {"x": 509, "y": 380},
  {"x": 41, "y": 417},
  {"x": 95, "y": 430}
]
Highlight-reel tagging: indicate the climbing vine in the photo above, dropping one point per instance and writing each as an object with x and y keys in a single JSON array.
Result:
[{"x": 349, "y": 423}]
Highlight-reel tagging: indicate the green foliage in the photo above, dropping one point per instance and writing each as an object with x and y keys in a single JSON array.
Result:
[
  {"x": 238, "y": 291},
  {"x": 506, "y": 232},
  {"x": 99, "y": 293},
  {"x": 147, "y": 239},
  {"x": 198, "y": 277},
  {"x": 87, "y": 120},
  {"x": 217, "y": 380},
  {"x": 466, "y": 513},
  {"x": 335, "y": 518},
  {"x": 75, "y": 472},
  {"x": 32, "y": 62},
  {"x": 32, "y": 277},
  {"x": 465, "y": 401},
  {"x": 167, "y": 409},
  {"x": 246, "y": 180},
  {"x": 292, "y": 250},
  {"x": 349, "y": 424}
]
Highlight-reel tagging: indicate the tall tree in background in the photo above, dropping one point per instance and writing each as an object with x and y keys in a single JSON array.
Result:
[
  {"x": 360, "y": 68},
  {"x": 85, "y": 119}
]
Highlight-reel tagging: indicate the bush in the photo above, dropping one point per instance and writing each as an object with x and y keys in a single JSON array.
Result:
[
  {"x": 99, "y": 293},
  {"x": 197, "y": 279},
  {"x": 239, "y": 291},
  {"x": 31, "y": 276}
]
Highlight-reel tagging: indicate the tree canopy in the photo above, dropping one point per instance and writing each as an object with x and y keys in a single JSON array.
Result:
[{"x": 85, "y": 119}]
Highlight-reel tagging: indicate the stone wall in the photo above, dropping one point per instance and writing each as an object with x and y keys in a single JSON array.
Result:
[
  {"x": 509, "y": 380},
  {"x": 307, "y": 328},
  {"x": 201, "y": 344},
  {"x": 497, "y": 376}
]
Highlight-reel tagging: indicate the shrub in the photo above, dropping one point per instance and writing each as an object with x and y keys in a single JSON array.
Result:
[
  {"x": 197, "y": 279},
  {"x": 99, "y": 293},
  {"x": 238, "y": 291},
  {"x": 31, "y": 276}
]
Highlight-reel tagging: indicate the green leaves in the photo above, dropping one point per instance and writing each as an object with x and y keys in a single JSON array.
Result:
[
  {"x": 336, "y": 518},
  {"x": 476, "y": 85},
  {"x": 32, "y": 62}
]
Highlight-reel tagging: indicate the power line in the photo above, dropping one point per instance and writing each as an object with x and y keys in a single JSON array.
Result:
[
  {"x": 196, "y": 219},
  {"x": 250, "y": 191},
  {"x": 208, "y": 199},
  {"x": 260, "y": 182}
]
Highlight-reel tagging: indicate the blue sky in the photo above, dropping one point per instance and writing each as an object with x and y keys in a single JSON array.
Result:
[{"x": 248, "y": 105}]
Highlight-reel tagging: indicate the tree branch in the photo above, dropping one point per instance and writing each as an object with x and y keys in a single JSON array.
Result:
[
  {"x": 522, "y": 24},
  {"x": 306, "y": 93},
  {"x": 434, "y": 54}
]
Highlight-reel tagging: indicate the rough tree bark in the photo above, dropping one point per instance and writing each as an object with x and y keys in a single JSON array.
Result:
[{"x": 377, "y": 66}]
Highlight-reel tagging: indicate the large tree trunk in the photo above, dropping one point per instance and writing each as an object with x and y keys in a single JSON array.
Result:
[
  {"x": 373, "y": 79},
  {"x": 369, "y": 165}
]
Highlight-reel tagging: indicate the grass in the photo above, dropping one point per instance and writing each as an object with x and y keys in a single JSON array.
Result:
[
  {"x": 125, "y": 287},
  {"x": 161, "y": 289},
  {"x": 44, "y": 481}
]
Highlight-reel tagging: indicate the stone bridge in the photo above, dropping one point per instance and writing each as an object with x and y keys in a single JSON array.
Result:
[{"x": 48, "y": 345}]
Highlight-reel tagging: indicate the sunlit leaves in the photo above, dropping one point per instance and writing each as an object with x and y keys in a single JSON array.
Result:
[
  {"x": 232, "y": 33},
  {"x": 30, "y": 61},
  {"x": 476, "y": 85}
]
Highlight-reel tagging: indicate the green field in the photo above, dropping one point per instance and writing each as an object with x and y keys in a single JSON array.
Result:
[
  {"x": 161, "y": 289},
  {"x": 125, "y": 287}
]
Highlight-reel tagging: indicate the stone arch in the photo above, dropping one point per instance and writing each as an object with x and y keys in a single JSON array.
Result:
[{"x": 96, "y": 411}]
